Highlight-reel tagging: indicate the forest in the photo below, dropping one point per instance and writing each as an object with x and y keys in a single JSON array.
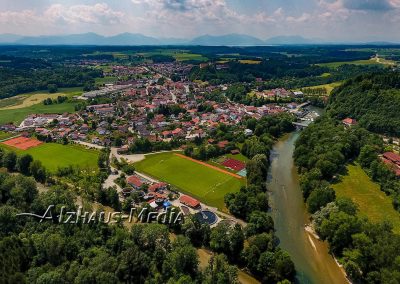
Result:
[
  {"x": 22, "y": 75},
  {"x": 372, "y": 99}
]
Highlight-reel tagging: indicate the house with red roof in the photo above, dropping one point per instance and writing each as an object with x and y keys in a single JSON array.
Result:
[
  {"x": 178, "y": 132},
  {"x": 189, "y": 201},
  {"x": 222, "y": 144},
  {"x": 157, "y": 186},
  {"x": 393, "y": 161},
  {"x": 349, "y": 122},
  {"x": 135, "y": 182}
]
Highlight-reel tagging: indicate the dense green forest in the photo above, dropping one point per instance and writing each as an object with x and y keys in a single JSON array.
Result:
[
  {"x": 372, "y": 99},
  {"x": 284, "y": 72},
  {"x": 21, "y": 75}
]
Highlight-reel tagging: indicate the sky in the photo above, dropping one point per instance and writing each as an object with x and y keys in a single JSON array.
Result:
[{"x": 333, "y": 20}]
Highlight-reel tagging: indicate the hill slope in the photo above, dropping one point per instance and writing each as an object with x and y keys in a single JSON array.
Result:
[{"x": 372, "y": 99}]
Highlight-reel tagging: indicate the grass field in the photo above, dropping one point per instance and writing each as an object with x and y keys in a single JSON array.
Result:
[
  {"x": 4, "y": 135},
  {"x": 248, "y": 61},
  {"x": 335, "y": 65},
  {"x": 179, "y": 55},
  {"x": 329, "y": 87},
  {"x": 325, "y": 75},
  {"x": 29, "y": 99},
  {"x": 206, "y": 184},
  {"x": 105, "y": 80},
  {"x": 54, "y": 155},
  {"x": 17, "y": 115},
  {"x": 372, "y": 202}
]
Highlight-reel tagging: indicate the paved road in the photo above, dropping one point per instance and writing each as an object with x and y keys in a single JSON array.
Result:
[{"x": 87, "y": 144}]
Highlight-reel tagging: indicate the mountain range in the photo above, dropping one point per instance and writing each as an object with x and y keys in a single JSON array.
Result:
[{"x": 140, "y": 39}]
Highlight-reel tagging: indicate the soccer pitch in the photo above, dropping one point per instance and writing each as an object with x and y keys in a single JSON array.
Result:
[{"x": 204, "y": 183}]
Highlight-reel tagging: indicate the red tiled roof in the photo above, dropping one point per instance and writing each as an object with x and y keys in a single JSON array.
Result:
[
  {"x": 392, "y": 157},
  {"x": 156, "y": 186},
  {"x": 189, "y": 201},
  {"x": 222, "y": 144},
  {"x": 135, "y": 181},
  {"x": 349, "y": 121}
]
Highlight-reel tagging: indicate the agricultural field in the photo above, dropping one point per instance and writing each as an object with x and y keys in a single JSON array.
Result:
[
  {"x": 249, "y": 61},
  {"x": 372, "y": 202},
  {"x": 372, "y": 61},
  {"x": 325, "y": 75},
  {"x": 53, "y": 155},
  {"x": 30, "y": 99},
  {"x": 329, "y": 87},
  {"x": 179, "y": 55},
  {"x": 199, "y": 181}
]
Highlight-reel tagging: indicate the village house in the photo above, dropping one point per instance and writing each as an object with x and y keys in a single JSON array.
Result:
[{"x": 349, "y": 122}]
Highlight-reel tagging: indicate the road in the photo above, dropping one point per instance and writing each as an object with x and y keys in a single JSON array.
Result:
[{"x": 87, "y": 144}]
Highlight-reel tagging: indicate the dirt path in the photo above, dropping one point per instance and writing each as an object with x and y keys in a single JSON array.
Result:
[{"x": 210, "y": 166}]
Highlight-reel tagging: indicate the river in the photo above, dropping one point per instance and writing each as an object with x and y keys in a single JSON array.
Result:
[{"x": 312, "y": 260}]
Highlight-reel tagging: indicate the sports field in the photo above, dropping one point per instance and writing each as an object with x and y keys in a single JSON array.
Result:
[
  {"x": 202, "y": 182},
  {"x": 54, "y": 155},
  {"x": 372, "y": 202},
  {"x": 22, "y": 143},
  {"x": 4, "y": 135}
]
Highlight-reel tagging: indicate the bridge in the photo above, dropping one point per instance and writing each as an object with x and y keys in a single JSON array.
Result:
[
  {"x": 303, "y": 105},
  {"x": 300, "y": 125}
]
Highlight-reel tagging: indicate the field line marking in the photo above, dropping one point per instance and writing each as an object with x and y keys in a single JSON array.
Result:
[
  {"x": 9, "y": 138},
  {"x": 208, "y": 165}
]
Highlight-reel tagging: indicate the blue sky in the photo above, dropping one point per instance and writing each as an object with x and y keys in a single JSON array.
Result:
[{"x": 336, "y": 20}]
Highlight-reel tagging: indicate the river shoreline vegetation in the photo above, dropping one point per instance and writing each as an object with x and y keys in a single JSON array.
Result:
[{"x": 368, "y": 251}]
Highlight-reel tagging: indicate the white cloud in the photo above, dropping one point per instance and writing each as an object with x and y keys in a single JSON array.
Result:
[
  {"x": 59, "y": 18},
  {"x": 99, "y": 13},
  {"x": 189, "y": 18}
]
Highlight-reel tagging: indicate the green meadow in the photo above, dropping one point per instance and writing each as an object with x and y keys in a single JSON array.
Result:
[
  {"x": 371, "y": 201},
  {"x": 18, "y": 115},
  {"x": 53, "y": 155}
]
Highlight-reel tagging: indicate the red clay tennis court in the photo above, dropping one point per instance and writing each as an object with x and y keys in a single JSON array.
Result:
[
  {"x": 234, "y": 164},
  {"x": 22, "y": 143}
]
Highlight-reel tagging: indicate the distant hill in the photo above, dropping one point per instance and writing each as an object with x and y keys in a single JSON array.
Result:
[
  {"x": 90, "y": 39},
  {"x": 140, "y": 39},
  {"x": 132, "y": 39},
  {"x": 285, "y": 40},
  {"x": 75, "y": 39},
  {"x": 230, "y": 39},
  {"x": 7, "y": 38}
]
